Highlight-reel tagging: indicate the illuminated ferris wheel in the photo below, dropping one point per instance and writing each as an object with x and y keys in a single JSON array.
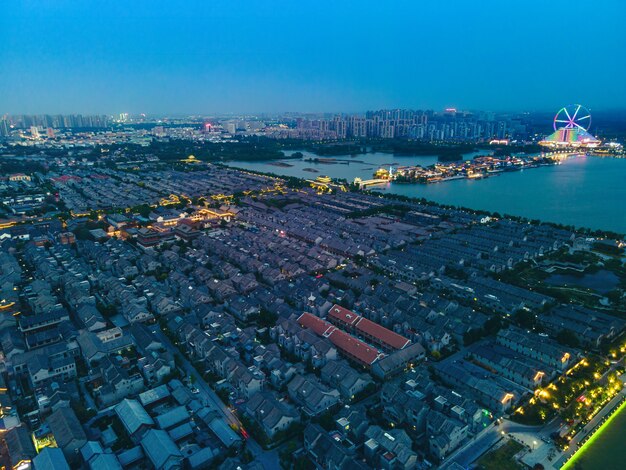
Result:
[{"x": 573, "y": 116}]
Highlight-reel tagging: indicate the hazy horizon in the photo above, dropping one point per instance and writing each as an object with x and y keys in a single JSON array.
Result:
[
  {"x": 244, "y": 57},
  {"x": 269, "y": 114}
]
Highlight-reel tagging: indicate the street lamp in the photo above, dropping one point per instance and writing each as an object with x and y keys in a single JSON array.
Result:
[{"x": 534, "y": 445}]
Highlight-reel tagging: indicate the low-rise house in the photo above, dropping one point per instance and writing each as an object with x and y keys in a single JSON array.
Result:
[
  {"x": 404, "y": 407},
  {"x": 203, "y": 458},
  {"x": 68, "y": 432},
  {"x": 50, "y": 458},
  {"x": 52, "y": 361},
  {"x": 513, "y": 366},
  {"x": 134, "y": 418},
  {"x": 228, "y": 437},
  {"x": 245, "y": 283},
  {"x": 11, "y": 340},
  {"x": 389, "y": 449},
  {"x": 42, "y": 338},
  {"x": 271, "y": 414},
  {"x": 243, "y": 308},
  {"x": 280, "y": 376},
  {"x": 311, "y": 395},
  {"x": 136, "y": 312},
  {"x": 20, "y": 447},
  {"x": 53, "y": 396},
  {"x": 155, "y": 396},
  {"x": 144, "y": 339},
  {"x": 156, "y": 366},
  {"x": 372, "y": 332},
  {"x": 537, "y": 347},
  {"x": 41, "y": 368},
  {"x": 445, "y": 434},
  {"x": 349, "y": 382},
  {"x": 219, "y": 362},
  {"x": 483, "y": 385},
  {"x": 97, "y": 458},
  {"x": 95, "y": 346},
  {"x": 328, "y": 453},
  {"x": 53, "y": 315},
  {"x": 163, "y": 305},
  {"x": 91, "y": 318},
  {"x": 172, "y": 418},
  {"x": 398, "y": 361},
  {"x": 247, "y": 380},
  {"x": 591, "y": 327},
  {"x": 161, "y": 450},
  {"x": 352, "y": 423},
  {"x": 116, "y": 383},
  {"x": 352, "y": 348}
]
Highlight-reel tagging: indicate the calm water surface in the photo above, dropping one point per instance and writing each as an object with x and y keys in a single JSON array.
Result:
[
  {"x": 583, "y": 191},
  {"x": 602, "y": 281},
  {"x": 608, "y": 450}
]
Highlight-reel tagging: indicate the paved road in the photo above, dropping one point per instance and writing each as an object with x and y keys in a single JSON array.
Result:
[
  {"x": 269, "y": 459},
  {"x": 209, "y": 397},
  {"x": 485, "y": 440}
]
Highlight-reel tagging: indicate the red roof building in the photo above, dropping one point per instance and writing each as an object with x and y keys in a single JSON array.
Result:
[
  {"x": 355, "y": 349},
  {"x": 319, "y": 326},
  {"x": 342, "y": 316},
  {"x": 368, "y": 329},
  {"x": 380, "y": 335},
  {"x": 348, "y": 345}
]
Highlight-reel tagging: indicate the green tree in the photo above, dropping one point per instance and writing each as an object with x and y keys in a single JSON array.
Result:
[
  {"x": 267, "y": 318},
  {"x": 524, "y": 318},
  {"x": 568, "y": 338},
  {"x": 493, "y": 325}
]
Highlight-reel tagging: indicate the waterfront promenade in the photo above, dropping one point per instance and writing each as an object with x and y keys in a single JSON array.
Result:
[
  {"x": 595, "y": 426},
  {"x": 536, "y": 439},
  {"x": 487, "y": 439},
  {"x": 543, "y": 451}
]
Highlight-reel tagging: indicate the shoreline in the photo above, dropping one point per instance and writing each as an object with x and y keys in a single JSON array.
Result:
[
  {"x": 491, "y": 213},
  {"x": 595, "y": 432},
  {"x": 480, "y": 167}
]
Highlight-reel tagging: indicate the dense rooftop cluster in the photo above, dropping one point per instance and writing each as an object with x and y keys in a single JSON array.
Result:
[{"x": 239, "y": 312}]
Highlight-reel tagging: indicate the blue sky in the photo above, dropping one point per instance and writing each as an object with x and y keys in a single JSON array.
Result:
[{"x": 213, "y": 56}]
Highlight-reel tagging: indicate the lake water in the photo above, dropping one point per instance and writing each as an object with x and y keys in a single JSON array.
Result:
[
  {"x": 348, "y": 167},
  {"x": 607, "y": 451},
  {"x": 584, "y": 191},
  {"x": 602, "y": 281}
]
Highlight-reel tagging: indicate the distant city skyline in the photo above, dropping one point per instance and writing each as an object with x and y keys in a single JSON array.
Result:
[{"x": 251, "y": 57}]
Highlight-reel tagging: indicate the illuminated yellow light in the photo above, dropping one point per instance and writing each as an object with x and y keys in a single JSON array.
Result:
[
  {"x": 593, "y": 437},
  {"x": 507, "y": 397},
  {"x": 22, "y": 465}
]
